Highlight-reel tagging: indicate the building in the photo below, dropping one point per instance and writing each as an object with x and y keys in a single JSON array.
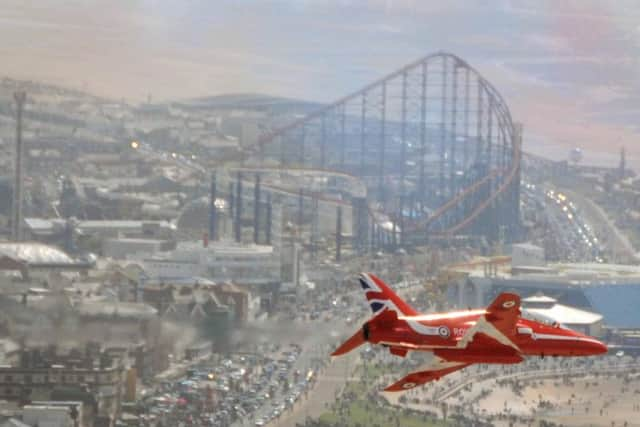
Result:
[
  {"x": 235, "y": 297},
  {"x": 31, "y": 258},
  {"x": 85, "y": 313},
  {"x": 195, "y": 215},
  {"x": 220, "y": 262},
  {"x": 54, "y": 414},
  {"x": 199, "y": 350},
  {"x": 118, "y": 323},
  {"x": 163, "y": 296},
  {"x": 45, "y": 375},
  {"x": 527, "y": 255},
  {"x": 39, "y": 228},
  {"x": 610, "y": 290},
  {"x": 201, "y": 312},
  {"x": 121, "y": 248},
  {"x": 9, "y": 350},
  {"x": 544, "y": 307}
]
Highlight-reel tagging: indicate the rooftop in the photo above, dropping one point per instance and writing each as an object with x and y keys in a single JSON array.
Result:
[
  {"x": 527, "y": 246},
  {"x": 566, "y": 315},
  {"x": 35, "y": 253},
  {"x": 117, "y": 309},
  {"x": 8, "y": 345},
  {"x": 598, "y": 270},
  {"x": 41, "y": 225},
  {"x": 538, "y": 299},
  {"x": 227, "y": 248},
  {"x": 181, "y": 281},
  {"x": 131, "y": 224}
]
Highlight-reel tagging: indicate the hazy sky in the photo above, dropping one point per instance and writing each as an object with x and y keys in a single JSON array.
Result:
[{"x": 569, "y": 70}]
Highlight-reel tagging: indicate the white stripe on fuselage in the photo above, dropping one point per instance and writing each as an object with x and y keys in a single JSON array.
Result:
[
  {"x": 444, "y": 316},
  {"x": 414, "y": 322},
  {"x": 417, "y": 327},
  {"x": 423, "y": 329}
]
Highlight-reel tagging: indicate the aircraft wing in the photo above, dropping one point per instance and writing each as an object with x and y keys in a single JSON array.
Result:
[
  {"x": 499, "y": 321},
  {"x": 432, "y": 372}
]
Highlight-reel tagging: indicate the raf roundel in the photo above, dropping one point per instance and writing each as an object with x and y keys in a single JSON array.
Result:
[
  {"x": 444, "y": 332},
  {"x": 509, "y": 304},
  {"x": 407, "y": 386}
]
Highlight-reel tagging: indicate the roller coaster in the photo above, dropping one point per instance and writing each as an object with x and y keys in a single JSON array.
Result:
[{"x": 433, "y": 144}]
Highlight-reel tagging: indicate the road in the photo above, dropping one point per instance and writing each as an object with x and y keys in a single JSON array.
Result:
[
  {"x": 621, "y": 248},
  {"x": 332, "y": 379},
  {"x": 570, "y": 231},
  {"x": 329, "y": 385}
]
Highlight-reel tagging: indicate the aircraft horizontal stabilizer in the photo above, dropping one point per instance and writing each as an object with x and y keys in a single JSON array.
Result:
[
  {"x": 355, "y": 341},
  {"x": 384, "y": 319}
]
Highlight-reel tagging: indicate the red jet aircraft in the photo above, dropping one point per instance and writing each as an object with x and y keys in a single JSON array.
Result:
[{"x": 497, "y": 334}]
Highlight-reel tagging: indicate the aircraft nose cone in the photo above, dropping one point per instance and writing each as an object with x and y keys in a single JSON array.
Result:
[
  {"x": 594, "y": 347},
  {"x": 600, "y": 348}
]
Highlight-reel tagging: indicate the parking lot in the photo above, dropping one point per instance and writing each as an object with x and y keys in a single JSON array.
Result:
[
  {"x": 253, "y": 386},
  {"x": 267, "y": 377}
]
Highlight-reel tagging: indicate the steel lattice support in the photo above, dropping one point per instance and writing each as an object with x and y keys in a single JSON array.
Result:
[
  {"x": 237, "y": 223},
  {"x": 433, "y": 143},
  {"x": 213, "y": 213},
  {"x": 17, "y": 217},
  {"x": 256, "y": 210}
]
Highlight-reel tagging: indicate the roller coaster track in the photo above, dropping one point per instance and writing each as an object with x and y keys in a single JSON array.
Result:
[
  {"x": 273, "y": 134},
  {"x": 301, "y": 192},
  {"x": 453, "y": 202},
  {"x": 487, "y": 202},
  {"x": 383, "y": 130},
  {"x": 373, "y": 213},
  {"x": 425, "y": 103}
]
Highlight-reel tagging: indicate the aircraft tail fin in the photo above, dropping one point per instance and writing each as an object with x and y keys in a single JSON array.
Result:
[{"x": 380, "y": 296}]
